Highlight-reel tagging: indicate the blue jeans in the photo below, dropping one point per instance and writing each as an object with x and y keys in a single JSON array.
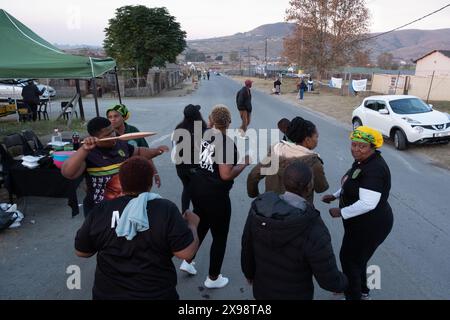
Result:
[{"x": 301, "y": 93}]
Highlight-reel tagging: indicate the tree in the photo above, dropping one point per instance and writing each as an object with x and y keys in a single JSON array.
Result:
[
  {"x": 386, "y": 61},
  {"x": 328, "y": 32},
  {"x": 143, "y": 36},
  {"x": 361, "y": 58}
]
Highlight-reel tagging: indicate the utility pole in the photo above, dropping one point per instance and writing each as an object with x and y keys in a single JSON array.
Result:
[
  {"x": 240, "y": 64},
  {"x": 431, "y": 84},
  {"x": 137, "y": 78},
  {"x": 301, "y": 49},
  {"x": 265, "y": 61},
  {"x": 265, "y": 54},
  {"x": 248, "y": 52}
]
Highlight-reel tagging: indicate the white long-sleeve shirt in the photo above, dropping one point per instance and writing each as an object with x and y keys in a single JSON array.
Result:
[{"x": 368, "y": 200}]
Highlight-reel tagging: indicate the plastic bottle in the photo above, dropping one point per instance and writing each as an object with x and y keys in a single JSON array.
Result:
[
  {"x": 56, "y": 137},
  {"x": 75, "y": 140}
]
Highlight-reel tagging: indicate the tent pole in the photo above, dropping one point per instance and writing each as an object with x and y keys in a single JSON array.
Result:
[
  {"x": 95, "y": 96},
  {"x": 80, "y": 102},
  {"x": 117, "y": 85}
]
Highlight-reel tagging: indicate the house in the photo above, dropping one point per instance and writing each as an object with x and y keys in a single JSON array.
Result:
[{"x": 437, "y": 61}]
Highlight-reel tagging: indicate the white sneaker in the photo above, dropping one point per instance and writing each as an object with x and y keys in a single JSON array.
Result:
[
  {"x": 365, "y": 296},
  {"x": 188, "y": 267},
  {"x": 220, "y": 282}
]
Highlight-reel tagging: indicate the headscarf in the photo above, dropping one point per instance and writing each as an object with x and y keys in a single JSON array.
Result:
[
  {"x": 367, "y": 135},
  {"x": 122, "y": 109}
]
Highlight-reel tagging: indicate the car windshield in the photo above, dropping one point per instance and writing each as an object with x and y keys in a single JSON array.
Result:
[{"x": 409, "y": 106}]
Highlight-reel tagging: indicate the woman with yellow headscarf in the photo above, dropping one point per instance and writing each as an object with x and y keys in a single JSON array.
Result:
[
  {"x": 363, "y": 207},
  {"x": 118, "y": 115}
]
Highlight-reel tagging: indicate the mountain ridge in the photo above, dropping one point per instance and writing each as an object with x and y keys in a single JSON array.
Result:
[{"x": 407, "y": 45}]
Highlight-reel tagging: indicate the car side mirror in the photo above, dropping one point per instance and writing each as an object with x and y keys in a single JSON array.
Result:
[{"x": 383, "y": 111}]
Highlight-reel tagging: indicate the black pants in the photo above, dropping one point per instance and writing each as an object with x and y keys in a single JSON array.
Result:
[
  {"x": 33, "y": 108},
  {"x": 360, "y": 241},
  {"x": 214, "y": 211},
  {"x": 88, "y": 205},
  {"x": 184, "y": 173}
]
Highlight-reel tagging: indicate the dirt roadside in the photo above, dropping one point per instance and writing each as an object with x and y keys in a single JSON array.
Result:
[{"x": 330, "y": 103}]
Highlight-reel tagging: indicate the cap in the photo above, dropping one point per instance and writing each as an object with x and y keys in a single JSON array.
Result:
[
  {"x": 248, "y": 82},
  {"x": 191, "y": 110}
]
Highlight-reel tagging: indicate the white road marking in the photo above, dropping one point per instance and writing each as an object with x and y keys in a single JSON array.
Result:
[{"x": 159, "y": 140}]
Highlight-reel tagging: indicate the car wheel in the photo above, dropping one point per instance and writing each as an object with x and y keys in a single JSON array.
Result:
[
  {"x": 357, "y": 123},
  {"x": 400, "y": 141}
]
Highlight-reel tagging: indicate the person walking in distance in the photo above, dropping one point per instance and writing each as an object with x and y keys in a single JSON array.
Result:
[{"x": 244, "y": 105}]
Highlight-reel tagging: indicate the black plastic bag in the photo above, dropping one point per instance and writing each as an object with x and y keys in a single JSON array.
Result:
[{"x": 6, "y": 219}]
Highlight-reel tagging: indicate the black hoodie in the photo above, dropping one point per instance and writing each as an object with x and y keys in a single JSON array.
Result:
[{"x": 283, "y": 247}]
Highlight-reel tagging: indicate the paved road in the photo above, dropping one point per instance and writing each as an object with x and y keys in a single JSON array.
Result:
[{"x": 414, "y": 261}]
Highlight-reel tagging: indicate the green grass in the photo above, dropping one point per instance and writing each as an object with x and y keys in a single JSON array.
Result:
[{"x": 41, "y": 128}]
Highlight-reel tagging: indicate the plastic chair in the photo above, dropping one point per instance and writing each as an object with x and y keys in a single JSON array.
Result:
[
  {"x": 33, "y": 141},
  {"x": 42, "y": 110},
  {"x": 68, "y": 111}
]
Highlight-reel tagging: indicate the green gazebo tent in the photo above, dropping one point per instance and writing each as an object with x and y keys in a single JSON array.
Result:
[{"x": 25, "y": 55}]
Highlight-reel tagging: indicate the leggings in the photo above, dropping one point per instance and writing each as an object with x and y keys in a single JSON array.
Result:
[
  {"x": 215, "y": 213},
  {"x": 358, "y": 246},
  {"x": 184, "y": 173}
]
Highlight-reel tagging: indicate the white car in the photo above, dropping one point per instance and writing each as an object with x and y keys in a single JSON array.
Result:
[
  {"x": 405, "y": 119},
  {"x": 13, "y": 89}
]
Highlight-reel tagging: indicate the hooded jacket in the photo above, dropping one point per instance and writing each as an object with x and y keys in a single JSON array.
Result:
[
  {"x": 283, "y": 247},
  {"x": 286, "y": 153}
]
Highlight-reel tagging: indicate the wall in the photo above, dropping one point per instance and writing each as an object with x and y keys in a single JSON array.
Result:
[
  {"x": 414, "y": 85},
  {"x": 437, "y": 62}
]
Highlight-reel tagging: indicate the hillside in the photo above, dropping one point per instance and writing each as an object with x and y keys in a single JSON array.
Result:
[{"x": 403, "y": 44}]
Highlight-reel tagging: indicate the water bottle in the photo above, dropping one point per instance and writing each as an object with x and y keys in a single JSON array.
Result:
[
  {"x": 56, "y": 137},
  {"x": 75, "y": 140}
]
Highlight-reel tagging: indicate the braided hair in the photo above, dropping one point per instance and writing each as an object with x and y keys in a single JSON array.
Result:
[{"x": 299, "y": 129}]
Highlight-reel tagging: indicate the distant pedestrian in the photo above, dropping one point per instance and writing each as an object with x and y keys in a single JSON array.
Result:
[
  {"x": 30, "y": 95},
  {"x": 310, "y": 85},
  {"x": 208, "y": 74},
  {"x": 244, "y": 105},
  {"x": 277, "y": 86},
  {"x": 303, "y": 87}
]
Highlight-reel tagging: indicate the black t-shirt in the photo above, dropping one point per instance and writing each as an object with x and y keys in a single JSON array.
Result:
[
  {"x": 220, "y": 149},
  {"x": 372, "y": 174},
  {"x": 140, "y": 268},
  {"x": 102, "y": 172},
  {"x": 182, "y": 148}
]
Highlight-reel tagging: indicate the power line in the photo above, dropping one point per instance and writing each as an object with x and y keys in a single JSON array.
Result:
[{"x": 382, "y": 34}]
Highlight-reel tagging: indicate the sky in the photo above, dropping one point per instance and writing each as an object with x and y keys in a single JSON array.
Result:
[{"x": 83, "y": 21}]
